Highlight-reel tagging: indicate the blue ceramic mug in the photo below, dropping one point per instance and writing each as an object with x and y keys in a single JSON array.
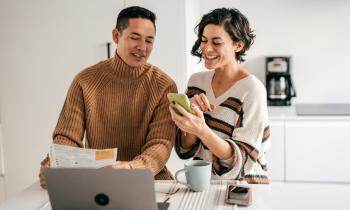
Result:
[{"x": 198, "y": 174}]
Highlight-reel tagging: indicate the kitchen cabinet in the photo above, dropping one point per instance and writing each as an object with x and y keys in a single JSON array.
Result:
[
  {"x": 314, "y": 148},
  {"x": 317, "y": 150},
  {"x": 2, "y": 189},
  {"x": 2, "y": 179},
  {"x": 275, "y": 156}
]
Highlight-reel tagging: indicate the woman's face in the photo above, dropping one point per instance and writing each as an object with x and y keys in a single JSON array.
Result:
[{"x": 218, "y": 49}]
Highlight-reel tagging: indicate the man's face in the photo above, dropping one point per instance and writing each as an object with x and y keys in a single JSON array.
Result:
[{"x": 135, "y": 43}]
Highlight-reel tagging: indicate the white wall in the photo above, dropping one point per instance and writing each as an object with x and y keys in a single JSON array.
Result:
[
  {"x": 169, "y": 48},
  {"x": 193, "y": 15},
  {"x": 45, "y": 43},
  {"x": 314, "y": 32}
]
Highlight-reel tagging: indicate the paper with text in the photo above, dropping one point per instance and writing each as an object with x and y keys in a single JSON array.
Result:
[{"x": 62, "y": 156}]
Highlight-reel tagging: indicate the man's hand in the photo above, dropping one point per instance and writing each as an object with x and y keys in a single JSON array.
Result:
[
  {"x": 119, "y": 165},
  {"x": 41, "y": 174}
]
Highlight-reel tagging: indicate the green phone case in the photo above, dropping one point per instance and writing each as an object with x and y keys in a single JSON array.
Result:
[{"x": 180, "y": 99}]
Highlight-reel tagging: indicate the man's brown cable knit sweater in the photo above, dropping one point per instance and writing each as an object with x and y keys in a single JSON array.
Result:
[{"x": 124, "y": 107}]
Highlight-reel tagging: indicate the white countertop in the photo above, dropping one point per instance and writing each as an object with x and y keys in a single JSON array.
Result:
[
  {"x": 275, "y": 196},
  {"x": 288, "y": 113}
]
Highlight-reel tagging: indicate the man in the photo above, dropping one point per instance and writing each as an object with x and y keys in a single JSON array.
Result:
[{"x": 121, "y": 102}]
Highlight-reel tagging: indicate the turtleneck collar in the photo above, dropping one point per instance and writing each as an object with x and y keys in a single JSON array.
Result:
[{"x": 123, "y": 70}]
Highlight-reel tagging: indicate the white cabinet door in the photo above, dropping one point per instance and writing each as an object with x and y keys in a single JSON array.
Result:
[
  {"x": 275, "y": 156},
  {"x": 318, "y": 150},
  {"x": 2, "y": 189},
  {"x": 2, "y": 181}
]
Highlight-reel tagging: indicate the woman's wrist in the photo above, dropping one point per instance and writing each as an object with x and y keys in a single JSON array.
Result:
[
  {"x": 204, "y": 133},
  {"x": 188, "y": 140}
]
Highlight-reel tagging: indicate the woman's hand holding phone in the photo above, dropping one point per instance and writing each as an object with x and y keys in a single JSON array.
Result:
[
  {"x": 188, "y": 117},
  {"x": 201, "y": 101},
  {"x": 187, "y": 122},
  {"x": 181, "y": 99}
]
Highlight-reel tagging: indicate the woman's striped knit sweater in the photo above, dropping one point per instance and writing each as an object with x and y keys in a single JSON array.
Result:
[{"x": 241, "y": 119}]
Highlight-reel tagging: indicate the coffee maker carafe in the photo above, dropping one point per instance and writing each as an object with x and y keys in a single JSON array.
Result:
[{"x": 279, "y": 83}]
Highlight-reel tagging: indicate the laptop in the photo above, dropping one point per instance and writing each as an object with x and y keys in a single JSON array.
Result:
[{"x": 101, "y": 189}]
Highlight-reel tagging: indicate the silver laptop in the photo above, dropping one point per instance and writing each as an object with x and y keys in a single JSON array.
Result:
[{"x": 101, "y": 189}]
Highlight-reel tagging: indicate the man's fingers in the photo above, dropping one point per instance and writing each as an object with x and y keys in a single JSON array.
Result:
[
  {"x": 43, "y": 186},
  {"x": 121, "y": 165},
  {"x": 42, "y": 182}
]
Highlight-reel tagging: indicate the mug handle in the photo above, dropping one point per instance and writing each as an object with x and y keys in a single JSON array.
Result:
[{"x": 177, "y": 174}]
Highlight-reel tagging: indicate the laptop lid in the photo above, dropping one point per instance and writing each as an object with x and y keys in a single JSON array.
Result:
[{"x": 100, "y": 189}]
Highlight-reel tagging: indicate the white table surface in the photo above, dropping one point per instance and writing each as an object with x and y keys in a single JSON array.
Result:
[{"x": 277, "y": 195}]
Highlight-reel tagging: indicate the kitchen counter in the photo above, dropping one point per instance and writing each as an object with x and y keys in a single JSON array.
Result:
[
  {"x": 288, "y": 196},
  {"x": 289, "y": 113}
]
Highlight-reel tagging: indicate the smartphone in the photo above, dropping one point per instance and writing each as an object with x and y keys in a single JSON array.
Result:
[
  {"x": 240, "y": 195},
  {"x": 180, "y": 99}
]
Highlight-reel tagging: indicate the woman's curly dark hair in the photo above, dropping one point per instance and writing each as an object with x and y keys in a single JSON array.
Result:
[{"x": 235, "y": 24}]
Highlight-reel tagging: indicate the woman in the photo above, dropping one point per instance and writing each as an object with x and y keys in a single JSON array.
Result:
[{"x": 229, "y": 126}]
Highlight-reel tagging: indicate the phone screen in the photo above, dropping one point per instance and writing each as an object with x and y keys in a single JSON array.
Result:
[
  {"x": 240, "y": 195},
  {"x": 238, "y": 189}
]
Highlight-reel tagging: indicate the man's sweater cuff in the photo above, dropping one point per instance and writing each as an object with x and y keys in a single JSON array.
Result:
[{"x": 45, "y": 161}]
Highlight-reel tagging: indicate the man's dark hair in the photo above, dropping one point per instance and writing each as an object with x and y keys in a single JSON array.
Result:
[
  {"x": 235, "y": 24},
  {"x": 133, "y": 12}
]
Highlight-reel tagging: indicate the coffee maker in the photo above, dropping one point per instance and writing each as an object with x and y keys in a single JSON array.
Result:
[{"x": 279, "y": 83}]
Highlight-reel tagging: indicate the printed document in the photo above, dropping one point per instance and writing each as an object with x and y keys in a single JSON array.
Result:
[{"x": 62, "y": 156}]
